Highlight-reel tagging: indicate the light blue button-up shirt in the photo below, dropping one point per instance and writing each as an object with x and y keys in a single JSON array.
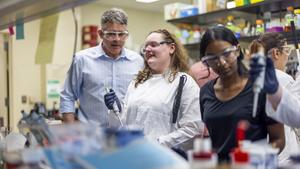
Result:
[{"x": 91, "y": 72}]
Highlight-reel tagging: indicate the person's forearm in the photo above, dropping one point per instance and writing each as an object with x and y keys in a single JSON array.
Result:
[
  {"x": 276, "y": 135},
  {"x": 183, "y": 134},
  {"x": 68, "y": 117},
  {"x": 275, "y": 98},
  {"x": 279, "y": 143}
]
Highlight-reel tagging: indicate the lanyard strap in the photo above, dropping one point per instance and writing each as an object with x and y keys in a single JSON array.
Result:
[{"x": 176, "y": 104}]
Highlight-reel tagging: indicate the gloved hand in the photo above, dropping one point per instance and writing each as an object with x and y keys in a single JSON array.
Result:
[
  {"x": 110, "y": 98},
  {"x": 271, "y": 83}
]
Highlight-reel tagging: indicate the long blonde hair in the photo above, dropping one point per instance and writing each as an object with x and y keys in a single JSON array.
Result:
[{"x": 179, "y": 59}]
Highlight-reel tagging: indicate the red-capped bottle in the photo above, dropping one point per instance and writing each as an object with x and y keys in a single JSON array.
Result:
[
  {"x": 240, "y": 158},
  {"x": 203, "y": 157}
]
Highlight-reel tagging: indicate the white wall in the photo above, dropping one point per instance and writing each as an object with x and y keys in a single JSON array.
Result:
[
  {"x": 63, "y": 49},
  {"x": 29, "y": 79},
  {"x": 25, "y": 75},
  {"x": 140, "y": 23}
]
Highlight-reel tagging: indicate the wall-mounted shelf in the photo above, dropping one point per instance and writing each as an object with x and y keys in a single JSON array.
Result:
[
  {"x": 249, "y": 12},
  {"x": 243, "y": 12},
  {"x": 194, "y": 48},
  {"x": 287, "y": 35}
]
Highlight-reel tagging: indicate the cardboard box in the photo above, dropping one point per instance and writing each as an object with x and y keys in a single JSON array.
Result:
[
  {"x": 205, "y": 6},
  {"x": 172, "y": 11},
  {"x": 189, "y": 11}
]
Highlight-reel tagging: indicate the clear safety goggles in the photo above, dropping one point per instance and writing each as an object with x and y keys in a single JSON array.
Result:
[
  {"x": 112, "y": 35},
  {"x": 153, "y": 44},
  {"x": 211, "y": 60}
]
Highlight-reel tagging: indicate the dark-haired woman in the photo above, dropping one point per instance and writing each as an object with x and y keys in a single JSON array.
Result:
[{"x": 229, "y": 98}]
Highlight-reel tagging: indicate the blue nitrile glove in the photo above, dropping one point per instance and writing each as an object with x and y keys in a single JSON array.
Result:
[
  {"x": 271, "y": 83},
  {"x": 180, "y": 152},
  {"x": 110, "y": 98}
]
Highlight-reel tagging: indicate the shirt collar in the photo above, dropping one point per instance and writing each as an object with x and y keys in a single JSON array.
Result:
[{"x": 100, "y": 53}]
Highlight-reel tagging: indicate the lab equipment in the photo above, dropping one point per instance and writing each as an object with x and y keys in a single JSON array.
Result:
[
  {"x": 240, "y": 158},
  {"x": 202, "y": 155},
  {"x": 289, "y": 17},
  {"x": 295, "y": 40},
  {"x": 135, "y": 155},
  {"x": 37, "y": 125},
  {"x": 259, "y": 81},
  {"x": 116, "y": 109}
]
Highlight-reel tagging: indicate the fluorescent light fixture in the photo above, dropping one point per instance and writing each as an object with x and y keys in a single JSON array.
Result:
[{"x": 146, "y": 1}]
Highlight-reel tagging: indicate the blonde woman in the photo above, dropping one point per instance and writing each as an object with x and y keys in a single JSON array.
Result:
[{"x": 149, "y": 101}]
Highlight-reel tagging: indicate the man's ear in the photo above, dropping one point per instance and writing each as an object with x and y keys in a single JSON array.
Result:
[
  {"x": 100, "y": 33},
  {"x": 275, "y": 54}
]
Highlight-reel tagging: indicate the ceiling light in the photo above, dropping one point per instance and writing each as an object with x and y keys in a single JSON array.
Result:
[{"x": 146, "y": 1}]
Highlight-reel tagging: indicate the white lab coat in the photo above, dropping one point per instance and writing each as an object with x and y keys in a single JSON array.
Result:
[
  {"x": 288, "y": 110},
  {"x": 291, "y": 143},
  {"x": 149, "y": 108}
]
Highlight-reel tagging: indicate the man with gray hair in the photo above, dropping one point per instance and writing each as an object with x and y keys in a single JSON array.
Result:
[{"x": 108, "y": 65}]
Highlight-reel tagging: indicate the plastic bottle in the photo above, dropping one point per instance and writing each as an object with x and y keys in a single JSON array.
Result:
[
  {"x": 289, "y": 16},
  {"x": 202, "y": 155},
  {"x": 246, "y": 2},
  {"x": 259, "y": 27},
  {"x": 229, "y": 23},
  {"x": 240, "y": 158},
  {"x": 255, "y": 1},
  {"x": 267, "y": 19},
  {"x": 239, "y": 3},
  {"x": 297, "y": 18}
]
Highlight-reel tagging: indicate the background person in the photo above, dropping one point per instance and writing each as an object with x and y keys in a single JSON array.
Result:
[
  {"x": 275, "y": 47},
  {"x": 107, "y": 65},
  {"x": 201, "y": 73}
]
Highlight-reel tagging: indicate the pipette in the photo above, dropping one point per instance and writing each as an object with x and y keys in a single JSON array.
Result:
[
  {"x": 116, "y": 109},
  {"x": 259, "y": 82}
]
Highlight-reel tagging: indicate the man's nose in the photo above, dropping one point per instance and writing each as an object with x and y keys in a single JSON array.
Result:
[{"x": 116, "y": 37}]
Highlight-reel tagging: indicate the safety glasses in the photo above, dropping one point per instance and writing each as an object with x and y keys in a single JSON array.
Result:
[
  {"x": 212, "y": 60},
  {"x": 287, "y": 49},
  {"x": 153, "y": 44},
  {"x": 112, "y": 35}
]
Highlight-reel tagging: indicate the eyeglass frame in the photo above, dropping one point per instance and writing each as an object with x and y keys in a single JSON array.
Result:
[
  {"x": 115, "y": 34},
  {"x": 289, "y": 48},
  {"x": 143, "y": 49},
  {"x": 269, "y": 53},
  {"x": 217, "y": 56}
]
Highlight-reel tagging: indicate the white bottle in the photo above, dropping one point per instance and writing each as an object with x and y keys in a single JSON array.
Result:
[
  {"x": 203, "y": 158},
  {"x": 297, "y": 18}
]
